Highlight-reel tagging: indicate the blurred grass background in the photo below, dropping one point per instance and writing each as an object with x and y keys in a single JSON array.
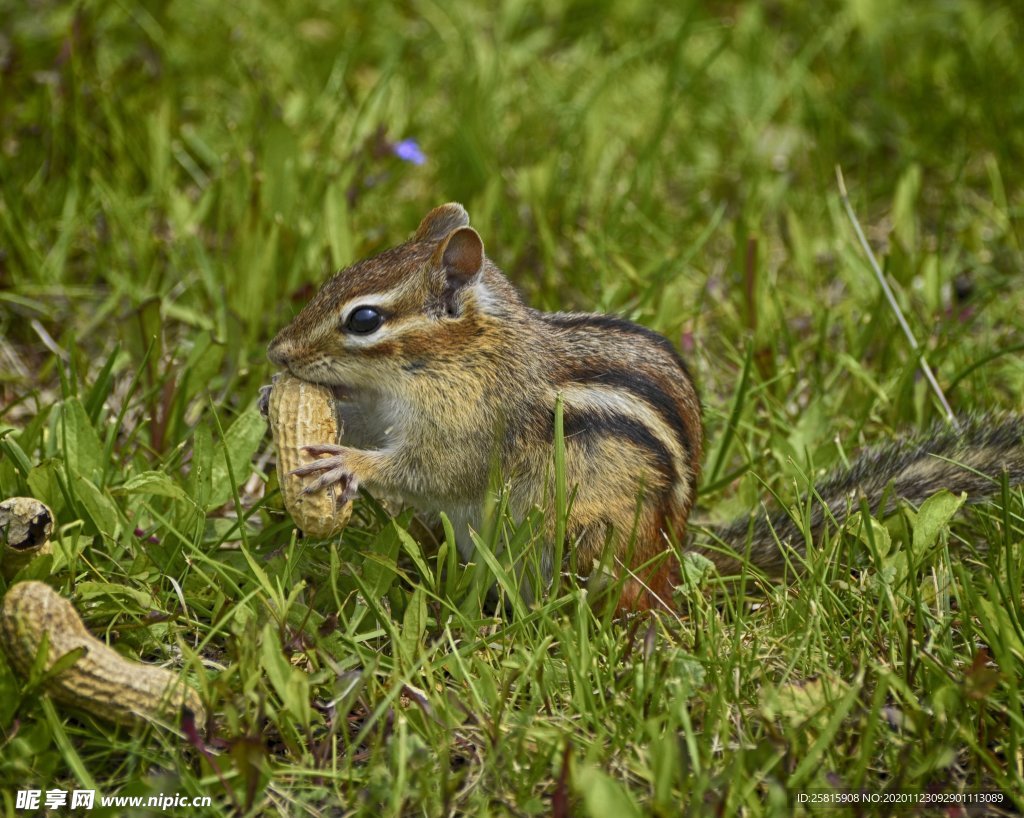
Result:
[
  {"x": 176, "y": 179},
  {"x": 224, "y": 158}
]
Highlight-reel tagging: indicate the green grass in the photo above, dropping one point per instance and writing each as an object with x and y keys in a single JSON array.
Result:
[{"x": 174, "y": 182}]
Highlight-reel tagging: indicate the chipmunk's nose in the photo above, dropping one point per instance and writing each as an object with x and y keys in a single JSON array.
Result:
[{"x": 280, "y": 351}]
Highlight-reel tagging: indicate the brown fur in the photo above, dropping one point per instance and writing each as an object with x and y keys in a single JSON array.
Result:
[
  {"x": 468, "y": 372},
  {"x": 462, "y": 375}
]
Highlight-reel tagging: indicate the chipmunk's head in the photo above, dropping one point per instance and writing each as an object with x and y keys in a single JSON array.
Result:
[{"x": 398, "y": 314}]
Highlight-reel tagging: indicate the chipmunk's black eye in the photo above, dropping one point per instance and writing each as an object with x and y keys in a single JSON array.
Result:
[{"x": 364, "y": 320}]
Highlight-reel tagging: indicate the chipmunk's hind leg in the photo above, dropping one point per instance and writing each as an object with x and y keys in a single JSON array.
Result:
[{"x": 630, "y": 565}]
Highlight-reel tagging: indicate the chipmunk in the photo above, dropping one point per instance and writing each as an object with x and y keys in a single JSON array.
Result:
[{"x": 444, "y": 372}]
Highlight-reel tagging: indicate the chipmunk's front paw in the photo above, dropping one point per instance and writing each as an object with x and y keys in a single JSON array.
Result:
[
  {"x": 334, "y": 470},
  {"x": 263, "y": 402}
]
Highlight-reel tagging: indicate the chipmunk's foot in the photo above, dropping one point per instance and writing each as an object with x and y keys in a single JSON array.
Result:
[{"x": 333, "y": 470}]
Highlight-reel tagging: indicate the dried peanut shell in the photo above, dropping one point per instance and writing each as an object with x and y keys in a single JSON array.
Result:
[
  {"x": 25, "y": 528},
  {"x": 102, "y": 681}
]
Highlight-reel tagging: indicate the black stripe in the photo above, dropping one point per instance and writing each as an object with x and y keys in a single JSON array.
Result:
[
  {"x": 638, "y": 383},
  {"x": 610, "y": 322},
  {"x": 578, "y": 425},
  {"x": 617, "y": 324}
]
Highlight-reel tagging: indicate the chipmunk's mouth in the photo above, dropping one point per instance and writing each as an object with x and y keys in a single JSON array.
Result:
[
  {"x": 322, "y": 376},
  {"x": 340, "y": 391}
]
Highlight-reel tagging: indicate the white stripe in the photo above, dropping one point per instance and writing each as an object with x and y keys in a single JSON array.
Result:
[{"x": 610, "y": 400}]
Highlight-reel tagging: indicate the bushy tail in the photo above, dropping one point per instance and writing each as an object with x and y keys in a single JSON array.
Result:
[{"x": 970, "y": 459}]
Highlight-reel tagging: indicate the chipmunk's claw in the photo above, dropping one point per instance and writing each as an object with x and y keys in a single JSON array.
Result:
[
  {"x": 332, "y": 471},
  {"x": 324, "y": 464},
  {"x": 263, "y": 401},
  {"x": 324, "y": 448},
  {"x": 332, "y": 477}
]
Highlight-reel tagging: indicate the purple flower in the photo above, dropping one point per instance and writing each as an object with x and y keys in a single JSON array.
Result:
[{"x": 408, "y": 150}]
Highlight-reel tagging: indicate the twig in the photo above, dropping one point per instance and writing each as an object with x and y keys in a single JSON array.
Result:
[
  {"x": 845, "y": 199},
  {"x": 48, "y": 341}
]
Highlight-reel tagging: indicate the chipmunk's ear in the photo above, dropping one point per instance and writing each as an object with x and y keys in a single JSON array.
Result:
[
  {"x": 460, "y": 257},
  {"x": 441, "y": 221}
]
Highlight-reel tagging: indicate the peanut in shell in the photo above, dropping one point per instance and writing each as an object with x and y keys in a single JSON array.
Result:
[{"x": 304, "y": 414}]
